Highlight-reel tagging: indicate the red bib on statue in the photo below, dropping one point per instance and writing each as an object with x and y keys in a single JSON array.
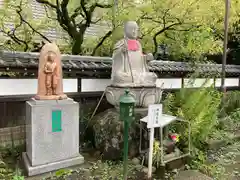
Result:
[{"x": 132, "y": 45}]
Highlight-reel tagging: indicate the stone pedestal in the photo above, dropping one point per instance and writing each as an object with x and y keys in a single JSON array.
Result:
[
  {"x": 144, "y": 96},
  {"x": 52, "y": 135}
]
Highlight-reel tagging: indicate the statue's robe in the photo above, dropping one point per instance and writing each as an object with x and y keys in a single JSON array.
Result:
[{"x": 129, "y": 65}]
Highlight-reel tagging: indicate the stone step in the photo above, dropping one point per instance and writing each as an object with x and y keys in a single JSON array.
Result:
[{"x": 192, "y": 175}]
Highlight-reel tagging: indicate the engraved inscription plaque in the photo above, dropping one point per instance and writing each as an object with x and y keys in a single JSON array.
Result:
[{"x": 56, "y": 120}]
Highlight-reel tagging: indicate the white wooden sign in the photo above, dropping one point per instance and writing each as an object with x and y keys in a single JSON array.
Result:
[
  {"x": 154, "y": 115},
  {"x": 155, "y": 119}
]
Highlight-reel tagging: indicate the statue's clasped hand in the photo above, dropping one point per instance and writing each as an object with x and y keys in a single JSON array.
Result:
[
  {"x": 149, "y": 57},
  {"x": 124, "y": 48}
]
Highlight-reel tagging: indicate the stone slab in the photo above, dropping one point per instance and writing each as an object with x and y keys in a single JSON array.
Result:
[
  {"x": 52, "y": 102},
  {"x": 192, "y": 175},
  {"x": 36, "y": 170},
  {"x": 45, "y": 146}
]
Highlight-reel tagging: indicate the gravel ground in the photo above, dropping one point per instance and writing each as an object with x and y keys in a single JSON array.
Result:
[{"x": 227, "y": 161}]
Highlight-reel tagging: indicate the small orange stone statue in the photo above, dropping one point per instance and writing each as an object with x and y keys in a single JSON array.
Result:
[{"x": 50, "y": 85}]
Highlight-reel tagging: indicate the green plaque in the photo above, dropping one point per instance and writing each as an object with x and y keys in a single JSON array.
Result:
[{"x": 56, "y": 120}]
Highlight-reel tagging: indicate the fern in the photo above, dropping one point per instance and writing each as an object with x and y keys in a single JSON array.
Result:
[{"x": 200, "y": 107}]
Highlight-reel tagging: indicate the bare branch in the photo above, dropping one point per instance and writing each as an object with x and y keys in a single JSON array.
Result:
[
  {"x": 187, "y": 29},
  {"x": 61, "y": 19},
  {"x": 152, "y": 19},
  {"x": 45, "y": 2},
  {"x": 108, "y": 34},
  {"x": 59, "y": 13},
  {"x": 147, "y": 33},
  {"x": 168, "y": 36},
  {"x": 93, "y": 7},
  {"x": 83, "y": 5},
  {"x": 77, "y": 12},
  {"x": 81, "y": 24},
  {"x": 165, "y": 28},
  {"x": 103, "y": 5},
  {"x": 65, "y": 15},
  {"x": 95, "y": 22},
  {"x": 19, "y": 10},
  {"x": 11, "y": 34},
  {"x": 75, "y": 30}
]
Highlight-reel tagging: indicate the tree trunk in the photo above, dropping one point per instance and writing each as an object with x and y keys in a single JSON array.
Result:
[{"x": 77, "y": 45}]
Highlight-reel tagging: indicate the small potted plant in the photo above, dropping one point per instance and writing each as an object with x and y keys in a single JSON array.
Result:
[{"x": 160, "y": 171}]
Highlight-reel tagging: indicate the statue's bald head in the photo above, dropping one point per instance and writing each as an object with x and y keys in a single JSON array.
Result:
[
  {"x": 131, "y": 29},
  {"x": 51, "y": 56}
]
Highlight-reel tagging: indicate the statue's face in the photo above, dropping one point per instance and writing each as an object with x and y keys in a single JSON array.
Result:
[
  {"x": 51, "y": 57},
  {"x": 131, "y": 30}
]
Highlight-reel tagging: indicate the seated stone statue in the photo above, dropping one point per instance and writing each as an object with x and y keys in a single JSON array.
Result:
[{"x": 129, "y": 68}]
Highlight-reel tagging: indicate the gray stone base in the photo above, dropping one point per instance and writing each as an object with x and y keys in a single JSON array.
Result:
[
  {"x": 49, "y": 148},
  {"x": 40, "y": 169}
]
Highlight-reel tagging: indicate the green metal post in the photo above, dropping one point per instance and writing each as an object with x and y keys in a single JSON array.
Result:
[
  {"x": 125, "y": 156},
  {"x": 127, "y": 103}
]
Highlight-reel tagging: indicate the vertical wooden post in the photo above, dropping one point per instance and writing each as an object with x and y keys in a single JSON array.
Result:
[
  {"x": 79, "y": 84},
  {"x": 224, "y": 58},
  {"x": 182, "y": 82},
  {"x": 150, "y": 156}
]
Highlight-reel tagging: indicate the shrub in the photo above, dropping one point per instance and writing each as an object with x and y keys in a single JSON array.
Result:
[
  {"x": 232, "y": 121},
  {"x": 3, "y": 169},
  {"x": 199, "y": 107},
  {"x": 232, "y": 102}
]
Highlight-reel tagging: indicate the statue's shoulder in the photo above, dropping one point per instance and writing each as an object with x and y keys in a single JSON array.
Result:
[{"x": 119, "y": 44}]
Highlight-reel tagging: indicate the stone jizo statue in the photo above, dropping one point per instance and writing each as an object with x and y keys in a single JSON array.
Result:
[
  {"x": 129, "y": 63},
  {"x": 50, "y": 74}
]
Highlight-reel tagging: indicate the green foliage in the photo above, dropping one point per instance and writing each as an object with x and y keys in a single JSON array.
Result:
[
  {"x": 223, "y": 162},
  {"x": 190, "y": 28},
  {"x": 18, "y": 29},
  {"x": 199, "y": 107},
  {"x": 17, "y": 175},
  {"x": 232, "y": 102},
  {"x": 98, "y": 170},
  {"x": 7, "y": 173},
  {"x": 108, "y": 170},
  {"x": 193, "y": 44},
  {"x": 3, "y": 169},
  {"x": 10, "y": 74},
  {"x": 157, "y": 154},
  {"x": 231, "y": 122},
  {"x": 235, "y": 115},
  {"x": 8, "y": 168},
  {"x": 63, "y": 173}
]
